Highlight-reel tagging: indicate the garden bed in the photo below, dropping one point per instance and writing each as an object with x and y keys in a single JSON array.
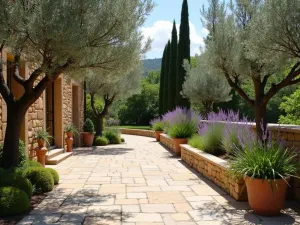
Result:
[
  {"x": 146, "y": 133},
  {"x": 215, "y": 169}
]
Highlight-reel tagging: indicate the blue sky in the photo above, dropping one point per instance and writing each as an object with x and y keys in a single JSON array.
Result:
[{"x": 159, "y": 25}]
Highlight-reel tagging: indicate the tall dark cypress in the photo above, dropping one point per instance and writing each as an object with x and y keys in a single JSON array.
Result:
[
  {"x": 173, "y": 69},
  {"x": 183, "y": 53},
  {"x": 161, "y": 83},
  {"x": 166, "y": 80}
]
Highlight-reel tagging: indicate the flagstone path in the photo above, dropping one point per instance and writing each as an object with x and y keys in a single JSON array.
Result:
[{"x": 140, "y": 183}]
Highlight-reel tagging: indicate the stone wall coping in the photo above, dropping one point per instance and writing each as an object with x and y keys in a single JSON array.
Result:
[
  {"x": 136, "y": 130},
  {"x": 208, "y": 157},
  {"x": 271, "y": 126}
]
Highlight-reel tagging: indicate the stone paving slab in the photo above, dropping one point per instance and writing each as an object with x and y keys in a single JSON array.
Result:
[{"x": 141, "y": 183}]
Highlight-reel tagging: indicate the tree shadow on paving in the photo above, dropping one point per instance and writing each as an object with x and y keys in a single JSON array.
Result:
[
  {"x": 101, "y": 151},
  {"x": 212, "y": 211}
]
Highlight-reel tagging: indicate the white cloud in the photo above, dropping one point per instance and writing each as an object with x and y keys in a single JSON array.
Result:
[{"x": 160, "y": 33}]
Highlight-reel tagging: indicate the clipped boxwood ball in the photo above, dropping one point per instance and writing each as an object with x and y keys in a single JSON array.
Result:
[
  {"x": 101, "y": 141},
  {"x": 54, "y": 174},
  {"x": 16, "y": 180},
  {"x": 40, "y": 178},
  {"x": 31, "y": 163},
  {"x": 13, "y": 201},
  {"x": 122, "y": 139},
  {"x": 112, "y": 137}
]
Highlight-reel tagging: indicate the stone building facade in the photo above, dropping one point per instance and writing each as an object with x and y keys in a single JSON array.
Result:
[{"x": 61, "y": 103}]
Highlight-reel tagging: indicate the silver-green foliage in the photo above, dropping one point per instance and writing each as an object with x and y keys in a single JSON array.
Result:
[{"x": 204, "y": 85}]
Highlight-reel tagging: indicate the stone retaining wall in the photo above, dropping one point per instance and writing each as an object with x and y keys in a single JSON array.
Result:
[
  {"x": 167, "y": 141},
  {"x": 146, "y": 133},
  {"x": 215, "y": 169}
]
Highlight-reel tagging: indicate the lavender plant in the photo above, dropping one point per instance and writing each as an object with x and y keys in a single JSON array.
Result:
[
  {"x": 181, "y": 123},
  {"x": 157, "y": 124}
]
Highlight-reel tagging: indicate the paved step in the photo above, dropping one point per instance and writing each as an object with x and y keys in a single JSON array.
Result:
[
  {"x": 57, "y": 159},
  {"x": 54, "y": 152}
]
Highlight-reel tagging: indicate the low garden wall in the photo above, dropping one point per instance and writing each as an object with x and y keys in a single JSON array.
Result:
[
  {"x": 167, "y": 141},
  {"x": 146, "y": 133},
  {"x": 215, "y": 169}
]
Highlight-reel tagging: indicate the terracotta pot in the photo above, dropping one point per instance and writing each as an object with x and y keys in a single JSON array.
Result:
[
  {"x": 87, "y": 139},
  {"x": 41, "y": 143},
  {"x": 177, "y": 143},
  {"x": 262, "y": 199},
  {"x": 69, "y": 142},
  {"x": 69, "y": 134},
  {"x": 157, "y": 135},
  {"x": 41, "y": 155}
]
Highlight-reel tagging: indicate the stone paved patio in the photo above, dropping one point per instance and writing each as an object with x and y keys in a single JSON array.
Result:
[{"x": 140, "y": 183}]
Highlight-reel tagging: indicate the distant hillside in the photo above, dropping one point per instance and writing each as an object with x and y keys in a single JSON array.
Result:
[{"x": 151, "y": 64}]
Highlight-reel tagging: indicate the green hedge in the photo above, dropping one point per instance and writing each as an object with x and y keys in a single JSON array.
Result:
[
  {"x": 16, "y": 180},
  {"x": 40, "y": 178},
  {"x": 54, "y": 174},
  {"x": 13, "y": 201}
]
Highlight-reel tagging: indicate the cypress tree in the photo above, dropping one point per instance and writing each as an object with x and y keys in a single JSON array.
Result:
[
  {"x": 161, "y": 83},
  {"x": 183, "y": 53},
  {"x": 173, "y": 69},
  {"x": 166, "y": 79}
]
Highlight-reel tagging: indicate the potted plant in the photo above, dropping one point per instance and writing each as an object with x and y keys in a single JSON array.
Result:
[
  {"x": 158, "y": 127},
  {"x": 70, "y": 129},
  {"x": 88, "y": 133},
  {"x": 180, "y": 133},
  {"x": 42, "y": 138},
  {"x": 266, "y": 169}
]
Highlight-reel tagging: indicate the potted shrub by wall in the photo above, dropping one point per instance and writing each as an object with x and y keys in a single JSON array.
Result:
[
  {"x": 88, "y": 133},
  {"x": 266, "y": 169},
  {"x": 70, "y": 130},
  {"x": 180, "y": 133},
  {"x": 42, "y": 138},
  {"x": 158, "y": 127}
]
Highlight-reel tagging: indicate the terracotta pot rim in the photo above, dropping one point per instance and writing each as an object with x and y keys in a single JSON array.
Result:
[
  {"x": 88, "y": 132},
  {"x": 249, "y": 178}
]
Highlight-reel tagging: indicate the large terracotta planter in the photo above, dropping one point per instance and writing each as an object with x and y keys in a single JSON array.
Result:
[
  {"x": 69, "y": 141},
  {"x": 157, "y": 135},
  {"x": 87, "y": 139},
  {"x": 41, "y": 155},
  {"x": 262, "y": 199},
  {"x": 177, "y": 143}
]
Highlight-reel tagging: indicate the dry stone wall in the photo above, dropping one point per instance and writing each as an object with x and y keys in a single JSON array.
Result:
[
  {"x": 215, "y": 169},
  {"x": 146, "y": 133}
]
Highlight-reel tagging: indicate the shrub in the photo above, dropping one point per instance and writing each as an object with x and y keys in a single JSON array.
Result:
[
  {"x": 16, "y": 180},
  {"x": 264, "y": 161},
  {"x": 13, "y": 201},
  {"x": 54, "y": 174},
  {"x": 157, "y": 124},
  {"x": 196, "y": 141},
  {"x": 71, "y": 128},
  {"x": 40, "y": 178},
  {"x": 22, "y": 155},
  {"x": 112, "y": 137},
  {"x": 122, "y": 140},
  {"x": 183, "y": 130},
  {"x": 211, "y": 139},
  {"x": 101, "y": 141},
  {"x": 30, "y": 163},
  {"x": 88, "y": 126}
]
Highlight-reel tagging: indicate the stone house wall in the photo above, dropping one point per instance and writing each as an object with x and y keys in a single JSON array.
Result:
[{"x": 36, "y": 115}]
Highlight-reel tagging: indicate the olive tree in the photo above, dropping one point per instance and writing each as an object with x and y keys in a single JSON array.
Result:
[
  {"x": 202, "y": 85},
  {"x": 254, "y": 41},
  {"x": 61, "y": 36},
  {"x": 109, "y": 90}
]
